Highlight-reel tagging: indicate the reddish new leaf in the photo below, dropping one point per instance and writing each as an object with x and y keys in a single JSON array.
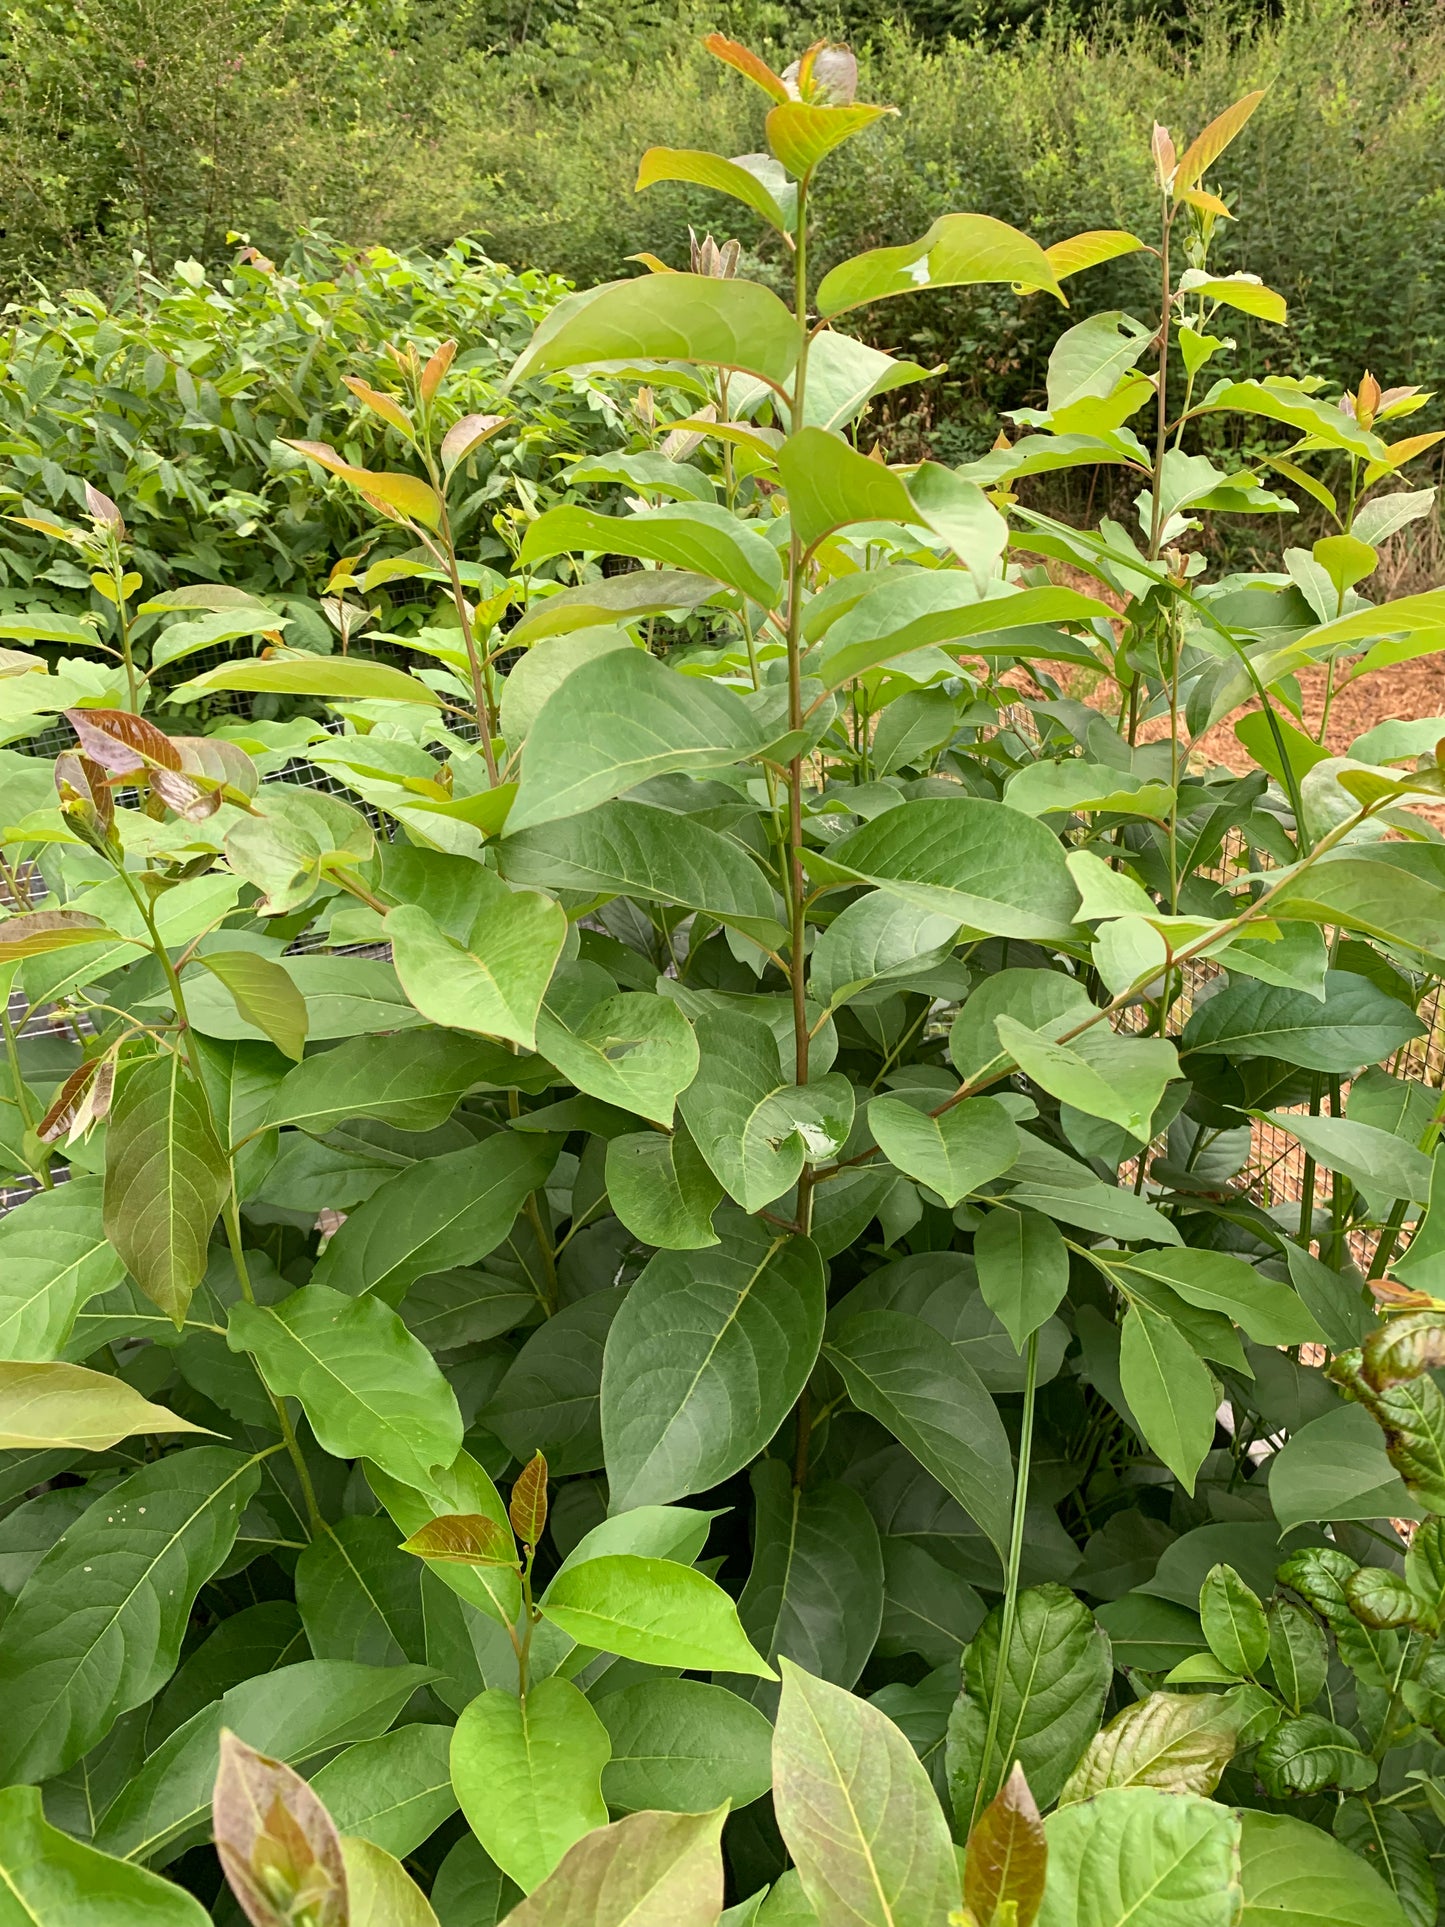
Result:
[
  {"x": 277, "y": 1844},
  {"x": 1007, "y": 1856},
  {"x": 528, "y": 1509},
  {"x": 463, "y": 1539}
]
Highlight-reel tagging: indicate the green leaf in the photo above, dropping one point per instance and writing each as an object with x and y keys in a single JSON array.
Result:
[
  {"x": 51, "y": 1880},
  {"x": 978, "y": 862},
  {"x": 44, "y": 625},
  {"x": 955, "y": 1153},
  {"x": 619, "y": 720},
  {"x": 655, "y": 855},
  {"x": 711, "y": 170},
  {"x": 528, "y": 1774},
  {"x": 610, "y": 599},
  {"x": 463, "y": 1488},
  {"x": 815, "y": 1592},
  {"x": 1045, "y": 1000},
  {"x": 680, "y": 1746},
  {"x": 412, "y": 1081},
  {"x": 661, "y": 1188},
  {"x": 1177, "y": 1742},
  {"x": 845, "y": 374},
  {"x": 830, "y": 485},
  {"x": 1135, "y": 1857},
  {"x": 943, "y": 606},
  {"x": 959, "y": 250},
  {"x": 651, "y": 1610},
  {"x": 649, "y": 1870},
  {"x": 1269, "y": 1311},
  {"x": 359, "y": 1595},
  {"x": 549, "y": 1400},
  {"x": 1342, "y": 1308},
  {"x": 754, "y": 1126},
  {"x": 1023, "y": 1269},
  {"x": 1294, "y": 1875},
  {"x": 1169, "y": 1391},
  {"x": 1411, "y": 626},
  {"x": 876, "y": 940},
  {"x": 1150, "y": 1634},
  {"x": 1089, "y": 360},
  {"x": 1298, "y": 1654},
  {"x": 1053, "y": 1685},
  {"x": 46, "y": 1404},
  {"x": 667, "y": 317},
  {"x": 801, "y": 134},
  {"x": 925, "y": 1609},
  {"x": 379, "y": 1890},
  {"x": 166, "y": 1179},
  {"x": 98, "y": 1627},
  {"x": 1053, "y": 789},
  {"x": 705, "y": 1360},
  {"x": 55, "y": 1256},
  {"x": 1355, "y": 1024},
  {"x": 1100, "y": 1072},
  {"x": 265, "y": 996},
  {"x": 490, "y": 981},
  {"x": 857, "y": 1810},
  {"x": 1308, "y": 1754},
  {"x": 697, "y": 536},
  {"x": 470, "y": 1889},
  {"x": 295, "y": 1714},
  {"x": 345, "y": 997},
  {"x": 915, "y": 1383},
  {"x": 633, "y": 1049},
  {"x": 395, "y": 1790},
  {"x": 1282, "y": 400},
  {"x": 1375, "y": 1160},
  {"x": 180, "y": 639},
  {"x": 369, "y": 1389},
  {"x": 443, "y": 1211},
  {"x": 333, "y": 678},
  {"x": 1234, "y": 1623},
  {"x": 1390, "y": 1840}
]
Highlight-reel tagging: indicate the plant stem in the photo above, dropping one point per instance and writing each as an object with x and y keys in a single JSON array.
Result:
[
  {"x": 1011, "y": 1578},
  {"x": 797, "y": 886},
  {"x": 232, "y": 1214},
  {"x": 22, "y": 1093},
  {"x": 1161, "y": 432}
]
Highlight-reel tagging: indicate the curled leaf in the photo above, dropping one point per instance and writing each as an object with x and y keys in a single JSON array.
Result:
[
  {"x": 35, "y": 932},
  {"x": 405, "y": 497},
  {"x": 82, "y": 1101},
  {"x": 278, "y": 1846},
  {"x": 468, "y": 434},
  {"x": 122, "y": 743},
  {"x": 1404, "y": 1348},
  {"x": 434, "y": 372},
  {"x": 85, "y": 799}
]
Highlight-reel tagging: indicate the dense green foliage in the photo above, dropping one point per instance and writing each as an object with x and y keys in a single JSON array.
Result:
[
  {"x": 163, "y": 124},
  {"x": 177, "y": 398},
  {"x": 638, "y": 1297}
]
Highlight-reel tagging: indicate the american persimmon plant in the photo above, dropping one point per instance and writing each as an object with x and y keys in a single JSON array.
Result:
[{"x": 735, "y": 1056}]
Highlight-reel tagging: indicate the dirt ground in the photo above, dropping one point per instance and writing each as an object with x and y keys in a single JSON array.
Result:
[{"x": 1411, "y": 690}]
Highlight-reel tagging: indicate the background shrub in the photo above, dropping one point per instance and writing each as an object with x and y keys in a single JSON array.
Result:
[{"x": 163, "y": 125}]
